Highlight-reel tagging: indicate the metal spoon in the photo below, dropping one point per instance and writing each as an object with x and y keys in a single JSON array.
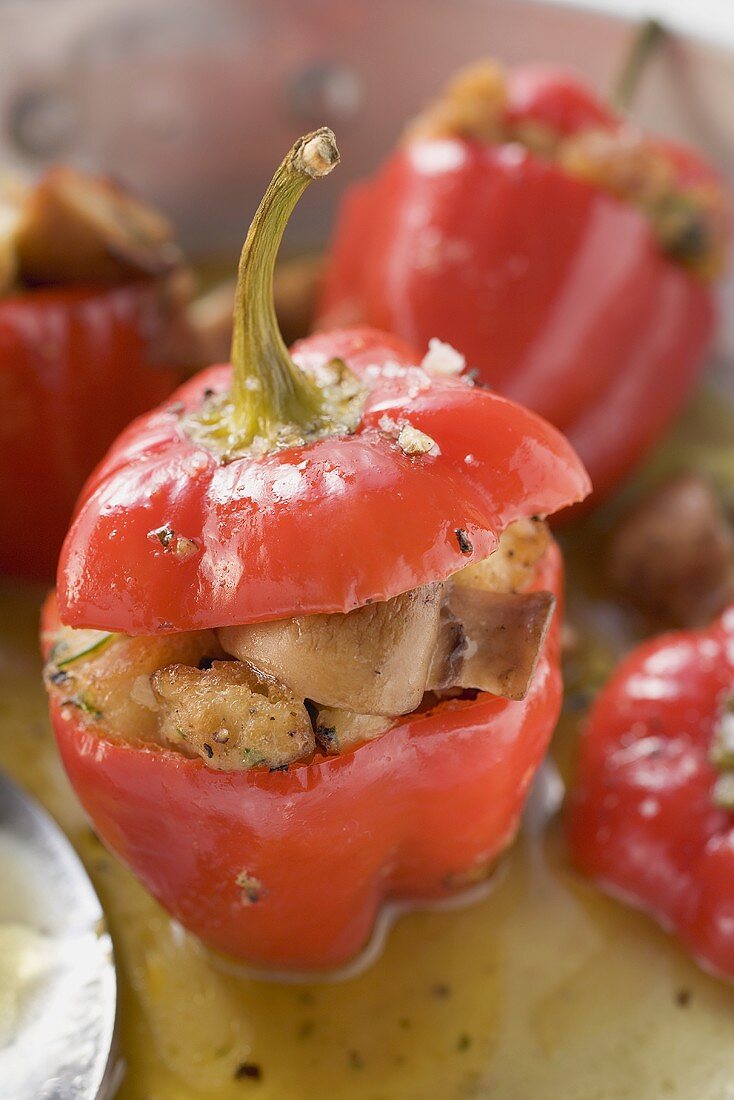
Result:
[{"x": 56, "y": 1034}]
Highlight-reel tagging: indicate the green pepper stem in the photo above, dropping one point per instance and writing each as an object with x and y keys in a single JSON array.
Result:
[
  {"x": 268, "y": 389},
  {"x": 646, "y": 40}
]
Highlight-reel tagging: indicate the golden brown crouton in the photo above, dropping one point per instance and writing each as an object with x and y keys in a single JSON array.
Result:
[{"x": 232, "y": 716}]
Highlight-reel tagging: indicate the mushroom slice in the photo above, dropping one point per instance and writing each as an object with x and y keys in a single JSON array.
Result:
[
  {"x": 512, "y": 566},
  {"x": 672, "y": 555},
  {"x": 339, "y": 730},
  {"x": 77, "y": 228},
  {"x": 490, "y": 640},
  {"x": 374, "y": 660},
  {"x": 232, "y": 716}
]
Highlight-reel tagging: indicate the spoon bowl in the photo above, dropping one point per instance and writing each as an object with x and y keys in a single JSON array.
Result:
[{"x": 58, "y": 989}]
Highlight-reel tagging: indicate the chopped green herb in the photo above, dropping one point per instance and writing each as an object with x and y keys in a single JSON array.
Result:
[
  {"x": 84, "y": 705},
  {"x": 75, "y": 644}
]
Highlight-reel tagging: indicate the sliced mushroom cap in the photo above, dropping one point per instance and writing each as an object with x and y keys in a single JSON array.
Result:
[
  {"x": 672, "y": 556},
  {"x": 374, "y": 660},
  {"x": 490, "y": 641},
  {"x": 77, "y": 228},
  {"x": 448, "y": 656},
  {"x": 232, "y": 716},
  {"x": 338, "y": 730}
]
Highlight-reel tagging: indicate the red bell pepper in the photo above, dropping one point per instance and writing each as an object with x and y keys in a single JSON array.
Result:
[
  {"x": 582, "y": 292},
  {"x": 78, "y": 359},
  {"x": 650, "y": 818},
  {"x": 249, "y": 498},
  {"x": 290, "y": 869}
]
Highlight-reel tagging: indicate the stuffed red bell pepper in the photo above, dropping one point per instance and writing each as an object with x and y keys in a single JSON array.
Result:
[
  {"x": 566, "y": 254},
  {"x": 90, "y": 305},
  {"x": 310, "y": 658},
  {"x": 652, "y": 814}
]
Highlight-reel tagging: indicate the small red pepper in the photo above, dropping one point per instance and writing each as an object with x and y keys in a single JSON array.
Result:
[
  {"x": 651, "y": 816},
  {"x": 291, "y": 503},
  {"x": 79, "y": 358},
  {"x": 290, "y": 869},
  {"x": 566, "y": 256}
]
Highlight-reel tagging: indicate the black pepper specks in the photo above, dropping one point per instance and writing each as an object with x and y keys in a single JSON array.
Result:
[
  {"x": 179, "y": 545},
  {"x": 251, "y": 887},
  {"x": 465, "y": 543},
  {"x": 164, "y": 535},
  {"x": 248, "y": 1071},
  {"x": 326, "y": 738}
]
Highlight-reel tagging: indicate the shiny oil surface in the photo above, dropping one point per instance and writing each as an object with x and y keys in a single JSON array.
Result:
[{"x": 543, "y": 989}]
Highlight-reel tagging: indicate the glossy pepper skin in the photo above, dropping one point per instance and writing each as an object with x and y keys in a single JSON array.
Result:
[
  {"x": 643, "y": 818},
  {"x": 556, "y": 291},
  {"x": 76, "y": 364},
  {"x": 289, "y": 870}
]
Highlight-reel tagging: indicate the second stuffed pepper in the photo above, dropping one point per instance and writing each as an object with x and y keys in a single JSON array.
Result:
[
  {"x": 92, "y": 307},
  {"x": 568, "y": 255}
]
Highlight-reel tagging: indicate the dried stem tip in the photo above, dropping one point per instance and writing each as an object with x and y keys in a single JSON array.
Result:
[{"x": 316, "y": 154}]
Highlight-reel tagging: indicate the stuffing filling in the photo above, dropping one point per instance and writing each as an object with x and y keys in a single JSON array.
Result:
[
  {"x": 269, "y": 694},
  {"x": 72, "y": 228},
  {"x": 689, "y": 220}
]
